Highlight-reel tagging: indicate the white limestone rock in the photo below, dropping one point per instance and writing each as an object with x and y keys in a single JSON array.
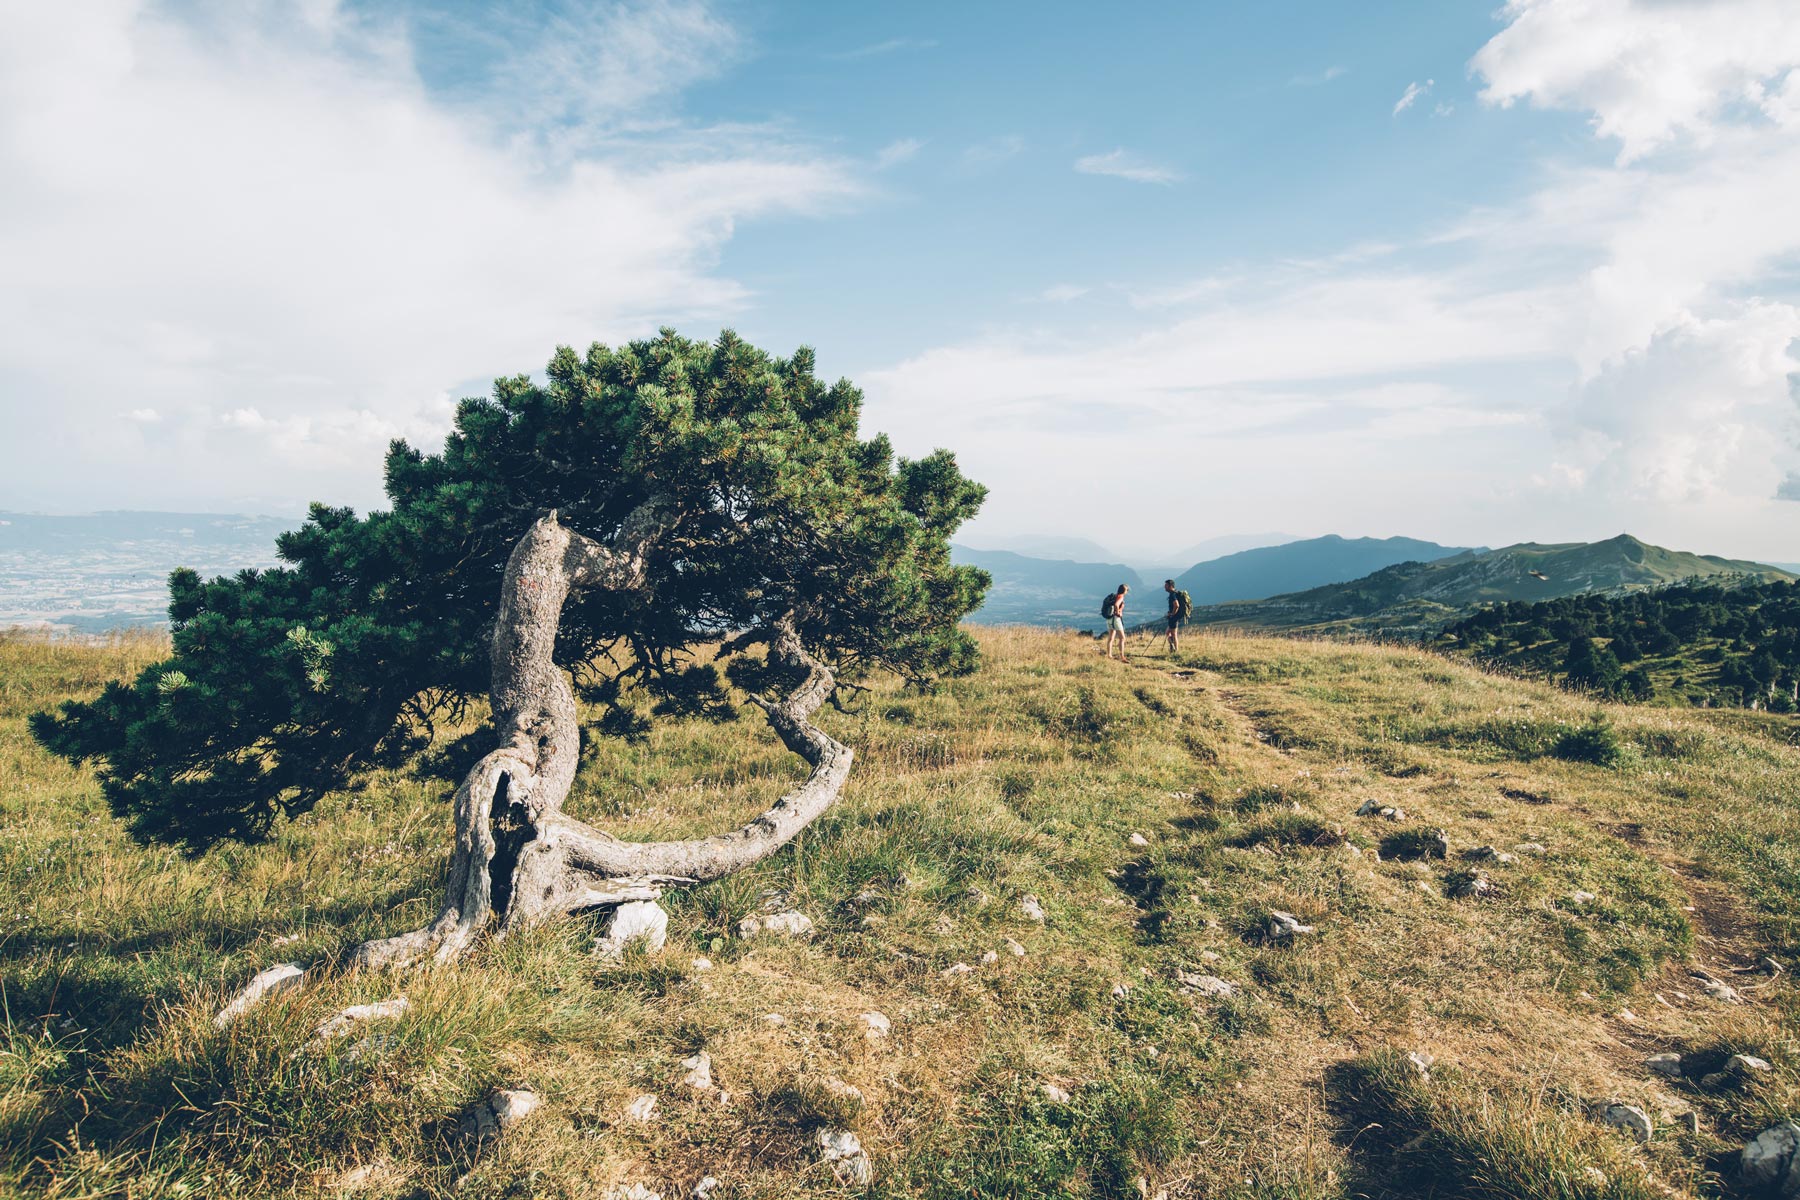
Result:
[
  {"x": 842, "y": 1150},
  {"x": 642, "y": 921},
  {"x": 1633, "y": 1120},
  {"x": 781, "y": 924},
  {"x": 1771, "y": 1162}
]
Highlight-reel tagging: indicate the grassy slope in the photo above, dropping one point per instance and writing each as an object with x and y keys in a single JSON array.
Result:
[{"x": 1027, "y": 778}]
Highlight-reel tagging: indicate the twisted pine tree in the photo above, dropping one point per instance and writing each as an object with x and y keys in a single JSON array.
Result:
[{"x": 572, "y": 538}]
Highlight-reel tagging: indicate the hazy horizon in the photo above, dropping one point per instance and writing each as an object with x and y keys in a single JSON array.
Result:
[{"x": 1156, "y": 275}]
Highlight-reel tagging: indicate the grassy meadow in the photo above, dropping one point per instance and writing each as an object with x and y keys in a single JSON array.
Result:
[{"x": 1241, "y": 763}]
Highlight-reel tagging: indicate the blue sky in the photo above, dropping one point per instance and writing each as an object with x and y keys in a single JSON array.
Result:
[{"x": 1157, "y": 273}]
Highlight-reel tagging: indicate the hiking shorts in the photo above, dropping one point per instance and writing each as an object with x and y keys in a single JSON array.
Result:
[
  {"x": 1174, "y": 624},
  {"x": 1115, "y": 625}
]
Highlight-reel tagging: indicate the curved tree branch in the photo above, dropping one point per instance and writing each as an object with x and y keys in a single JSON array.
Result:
[{"x": 518, "y": 859}]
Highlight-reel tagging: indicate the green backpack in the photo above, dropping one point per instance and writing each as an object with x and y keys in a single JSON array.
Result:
[{"x": 1184, "y": 606}]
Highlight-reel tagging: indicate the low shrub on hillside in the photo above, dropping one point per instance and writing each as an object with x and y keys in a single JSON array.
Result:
[{"x": 1596, "y": 742}]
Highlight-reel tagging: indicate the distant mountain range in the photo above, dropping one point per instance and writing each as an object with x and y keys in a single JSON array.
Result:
[
  {"x": 1039, "y": 591},
  {"x": 1271, "y": 570},
  {"x": 1416, "y": 597}
]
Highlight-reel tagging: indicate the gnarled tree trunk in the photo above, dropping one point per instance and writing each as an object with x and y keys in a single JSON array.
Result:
[{"x": 519, "y": 859}]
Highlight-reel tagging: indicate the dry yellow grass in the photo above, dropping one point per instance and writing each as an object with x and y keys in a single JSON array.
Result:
[{"x": 1242, "y": 763}]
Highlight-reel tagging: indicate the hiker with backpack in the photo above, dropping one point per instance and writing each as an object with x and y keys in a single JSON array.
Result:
[
  {"x": 1113, "y": 609},
  {"x": 1181, "y": 606}
]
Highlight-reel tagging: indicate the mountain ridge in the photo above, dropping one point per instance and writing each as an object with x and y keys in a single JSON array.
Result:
[{"x": 1415, "y": 597}]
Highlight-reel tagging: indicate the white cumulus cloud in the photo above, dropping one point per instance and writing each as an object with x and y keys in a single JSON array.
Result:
[
  {"x": 1649, "y": 71},
  {"x": 270, "y": 232}
]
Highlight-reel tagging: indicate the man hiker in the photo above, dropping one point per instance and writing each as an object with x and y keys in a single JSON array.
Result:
[
  {"x": 1113, "y": 609},
  {"x": 1180, "y": 605}
]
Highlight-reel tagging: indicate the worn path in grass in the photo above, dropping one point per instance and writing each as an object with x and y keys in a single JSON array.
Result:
[{"x": 1240, "y": 764}]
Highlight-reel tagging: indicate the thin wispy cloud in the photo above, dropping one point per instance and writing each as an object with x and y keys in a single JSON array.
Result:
[
  {"x": 994, "y": 150},
  {"x": 1123, "y": 164},
  {"x": 877, "y": 49},
  {"x": 1411, "y": 95},
  {"x": 897, "y": 152},
  {"x": 1319, "y": 79},
  {"x": 1062, "y": 293}
]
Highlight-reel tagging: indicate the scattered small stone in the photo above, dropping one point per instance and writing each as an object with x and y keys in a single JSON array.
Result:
[
  {"x": 1530, "y": 848},
  {"x": 337, "y": 1025},
  {"x": 642, "y": 1109},
  {"x": 1138, "y": 839},
  {"x": 1120, "y": 991},
  {"x": 839, "y": 1090},
  {"x": 1054, "y": 1094},
  {"x": 286, "y": 939},
  {"x": 498, "y": 1113},
  {"x": 1013, "y": 948},
  {"x": 1421, "y": 1062},
  {"x": 875, "y": 1026},
  {"x": 848, "y": 1160},
  {"x": 1032, "y": 909},
  {"x": 781, "y": 924},
  {"x": 1352, "y": 849},
  {"x": 1285, "y": 925},
  {"x": 1489, "y": 854},
  {"x": 1476, "y": 885},
  {"x": 1209, "y": 957},
  {"x": 699, "y": 1072},
  {"x": 1425, "y": 887},
  {"x": 1394, "y": 814},
  {"x": 264, "y": 984},
  {"x": 1667, "y": 1063},
  {"x": 1369, "y": 808},
  {"x": 633, "y": 1191},
  {"x": 1772, "y": 1161},
  {"x": 1739, "y": 1068},
  {"x": 990, "y": 957},
  {"x": 1204, "y": 985},
  {"x": 706, "y": 1187},
  {"x": 961, "y": 968},
  {"x": 1717, "y": 988},
  {"x": 1625, "y": 1014},
  {"x": 642, "y": 921},
  {"x": 1582, "y": 897},
  {"x": 1631, "y": 1119},
  {"x": 702, "y": 964},
  {"x": 1594, "y": 1175}
]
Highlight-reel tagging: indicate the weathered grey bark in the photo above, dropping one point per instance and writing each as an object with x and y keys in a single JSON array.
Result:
[{"x": 518, "y": 858}]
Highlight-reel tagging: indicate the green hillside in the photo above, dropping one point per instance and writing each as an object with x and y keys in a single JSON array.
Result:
[
  {"x": 1413, "y": 598},
  {"x": 1149, "y": 1037}
]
